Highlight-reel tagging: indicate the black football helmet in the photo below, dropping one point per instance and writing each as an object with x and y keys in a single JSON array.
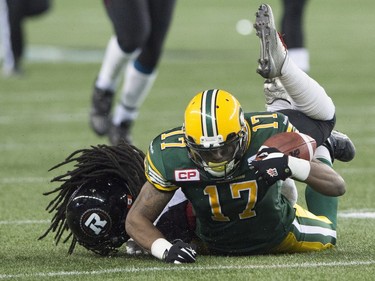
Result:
[{"x": 96, "y": 214}]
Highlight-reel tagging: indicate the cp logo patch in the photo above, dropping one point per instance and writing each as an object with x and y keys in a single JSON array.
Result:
[{"x": 187, "y": 175}]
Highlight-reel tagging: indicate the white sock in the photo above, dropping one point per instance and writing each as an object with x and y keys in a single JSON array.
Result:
[
  {"x": 281, "y": 103},
  {"x": 121, "y": 114},
  {"x": 322, "y": 152},
  {"x": 289, "y": 190},
  {"x": 278, "y": 105},
  {"x": 301, "y": 58},
  {"x": 113, "y": 62},
  {"x": 137, "y": 86},
  {"x": 6, "y": 48},
  {"x": 307, "y": 95}
]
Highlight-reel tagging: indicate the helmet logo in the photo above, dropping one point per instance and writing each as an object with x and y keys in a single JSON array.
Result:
[{"x": 95, "y": 222}]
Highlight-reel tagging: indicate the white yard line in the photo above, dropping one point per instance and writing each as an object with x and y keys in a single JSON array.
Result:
[
  {"x": 22, "y": 222},
  {"x": 185, "y": 268},
  {"x": 12, "y": 180},
  {"x": 39, "y": 53}
]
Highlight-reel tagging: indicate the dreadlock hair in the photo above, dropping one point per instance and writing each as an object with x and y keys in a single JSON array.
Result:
[{"x": 123, "y": 160}]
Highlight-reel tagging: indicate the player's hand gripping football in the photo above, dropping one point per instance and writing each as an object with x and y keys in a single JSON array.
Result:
[
  {"x": 271, "y": 165},
  {"x": 181, "y": 252}
]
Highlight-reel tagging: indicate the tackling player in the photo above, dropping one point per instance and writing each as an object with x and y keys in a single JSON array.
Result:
[{"x": 94, "y": 198}]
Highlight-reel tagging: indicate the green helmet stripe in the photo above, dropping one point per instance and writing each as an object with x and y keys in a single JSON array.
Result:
[{"x": 209, "y": 125}]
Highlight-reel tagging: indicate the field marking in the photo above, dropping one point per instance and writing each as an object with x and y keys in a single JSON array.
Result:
[
  {"x": 11, "y": 180},
  {"x": 22, "y": 222},
  {"x": 357, "y": 215},
  {"x": 48, "y": 53},
  {"x": 185, "y": 268}
]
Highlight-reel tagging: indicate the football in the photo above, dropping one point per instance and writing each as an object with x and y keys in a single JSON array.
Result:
[{"x": 294, "y": 144}]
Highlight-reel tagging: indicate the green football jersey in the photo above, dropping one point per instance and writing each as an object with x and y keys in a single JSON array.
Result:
[{"x": 237, "y": 215}]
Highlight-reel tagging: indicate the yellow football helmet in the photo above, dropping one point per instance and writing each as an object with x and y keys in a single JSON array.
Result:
[{"x": 216, "y": 134}]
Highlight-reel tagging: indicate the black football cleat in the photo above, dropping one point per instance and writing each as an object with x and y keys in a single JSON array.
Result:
[
  {"x": 120, "y": 133},
  {"x": 272, "y": 49},
  {"x": 340, "y": 147},
  {"x": 100, "y": 119}
]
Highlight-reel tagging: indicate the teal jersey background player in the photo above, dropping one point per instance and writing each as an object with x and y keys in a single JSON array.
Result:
[{"x": 235, "y": 215}]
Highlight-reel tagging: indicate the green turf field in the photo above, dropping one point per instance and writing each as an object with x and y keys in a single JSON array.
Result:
[{"x": 44, "y": 117}]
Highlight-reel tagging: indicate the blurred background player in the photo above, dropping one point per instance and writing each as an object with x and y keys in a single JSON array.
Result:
[
  {"x": 293, "y": 32},
  {"x": 12, "y": 17},
  {"x": 140, "y": 29}
]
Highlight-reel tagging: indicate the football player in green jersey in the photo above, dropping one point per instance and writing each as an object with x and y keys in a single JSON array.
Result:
[{"x": 238, "y": 202}]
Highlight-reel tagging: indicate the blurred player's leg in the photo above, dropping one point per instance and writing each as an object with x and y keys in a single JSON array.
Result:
[
  {"x": 130, "y": 22},
  {"x": 113, "y": 62},
  {"x": 140, "y": 75},
  {"x": 135, "y": 90},
  {"x": 11, "y": 20},
  {"x": 292, "y": 31},
  {"x": 105, "y": 85}
]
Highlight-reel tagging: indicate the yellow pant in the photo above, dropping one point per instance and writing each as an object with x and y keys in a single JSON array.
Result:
[{"x": 309, "y": 233}]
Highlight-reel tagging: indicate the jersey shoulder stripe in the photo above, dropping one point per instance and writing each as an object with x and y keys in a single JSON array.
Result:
[
  {"x": 269, "y": 121},
  {"x": 167, "y": 154},
  {"x": 155, "y": 177}
]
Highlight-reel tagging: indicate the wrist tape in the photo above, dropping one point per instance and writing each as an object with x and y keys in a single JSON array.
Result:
[
  {"x": 300, "y": 168},
  {"x": 160, "y": 248}
]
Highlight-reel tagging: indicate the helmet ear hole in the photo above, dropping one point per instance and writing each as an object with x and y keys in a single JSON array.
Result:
[
  {"x": 190, "y": 139},
  {"x": 96, "y": 214},
  {"x": 231, "y": 136}
]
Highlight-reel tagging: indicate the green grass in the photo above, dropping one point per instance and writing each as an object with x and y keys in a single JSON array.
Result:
[{"x": 44, "y": 117}]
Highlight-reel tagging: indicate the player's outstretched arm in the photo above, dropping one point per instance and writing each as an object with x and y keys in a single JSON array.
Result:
[
  {"x": 273, "y": 165},
  {"x": 139, "y": 225},
  {"x": 146, "y": 208},
  {"x": 325, "y": 180}
]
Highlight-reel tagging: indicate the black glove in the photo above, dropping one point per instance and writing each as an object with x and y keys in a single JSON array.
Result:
[
  {"x": 181, "y": 252},
  {"x": 271, "y": 166}
]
